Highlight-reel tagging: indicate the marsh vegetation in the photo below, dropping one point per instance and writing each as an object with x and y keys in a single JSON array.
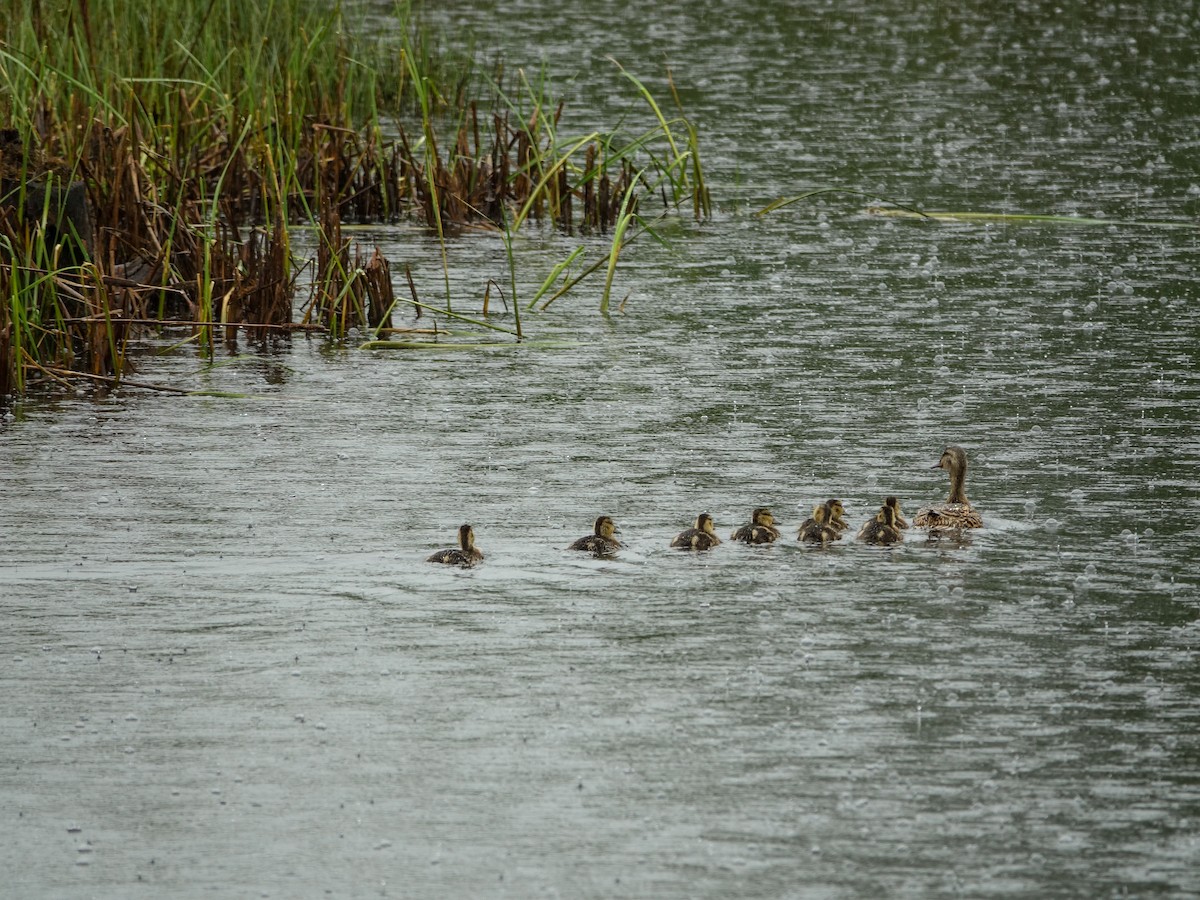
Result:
[{"x": 192, "y": 147}]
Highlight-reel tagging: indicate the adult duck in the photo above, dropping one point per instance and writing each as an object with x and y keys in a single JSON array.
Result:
[{"x": 957, "y": 511}]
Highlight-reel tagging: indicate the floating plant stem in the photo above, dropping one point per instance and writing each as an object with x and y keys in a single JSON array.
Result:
[
  {"x": 463, "y": 345},
  {"x": 453, "y": 315},
  {"x": 1021, "y": 218},
  {"x": 787, "y": 201}
]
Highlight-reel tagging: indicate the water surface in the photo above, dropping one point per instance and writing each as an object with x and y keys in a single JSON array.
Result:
[{"x": 228, "y": 671}]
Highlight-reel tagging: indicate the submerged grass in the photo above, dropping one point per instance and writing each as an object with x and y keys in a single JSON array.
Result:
[
  {"x": 1021, "y": 218},
  {"x": 194, "y": 142},
  {"x": 898, "y": 210}
]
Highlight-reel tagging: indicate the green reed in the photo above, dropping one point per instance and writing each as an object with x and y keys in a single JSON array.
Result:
[{"x": 195, "y": 127}]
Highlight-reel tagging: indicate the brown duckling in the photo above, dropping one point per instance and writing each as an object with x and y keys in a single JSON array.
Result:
[
  {"x": 761, "y": 529},
  {"x": 882, "y": 529},
  {"x": 895, "y": 505},
  {"x": 832, "y": 520},
  {"x": 817, "y": 530},
  {"x": 834, "y": 511},
  {"x": 465, "y": 554},
  {"x": 701, "y": 536},
  {"x": 957, "y": 511},
  {"x": 601, "y": 542}
]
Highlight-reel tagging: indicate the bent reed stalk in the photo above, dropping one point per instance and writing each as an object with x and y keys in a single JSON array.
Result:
[{"x": 194, "y": 145}]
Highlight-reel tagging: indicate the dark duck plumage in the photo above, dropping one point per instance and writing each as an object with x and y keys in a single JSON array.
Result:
[
  {"x": 832, "y": 519},
  {"x": 601, "y": 542},
  {"x": 817, "y": 530},
  {"x": 834, "y": 511},
  {"x": 895, "y": 505},
  {"x": 882, "y": 529},
  {"x": 465, "y": 554},
  {"x": 761, "y": 529},
  {"x": 702, "y": 536}
]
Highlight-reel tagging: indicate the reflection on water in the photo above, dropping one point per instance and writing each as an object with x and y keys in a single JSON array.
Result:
[{"x": 228, "y": 669}]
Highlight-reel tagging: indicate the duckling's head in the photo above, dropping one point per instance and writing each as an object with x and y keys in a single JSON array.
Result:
[
  {"x": 704, "y": 522},
  {"x": 466, "y": 537},
  {"x": 892, "y": 503},
  {"x": 762, "y": 516},
  {"x": 834, "y": 509},
  {"x": 820, "y": 514},
  {"x": 605, "y": 527},
  {"x": 887, "y": 514}
]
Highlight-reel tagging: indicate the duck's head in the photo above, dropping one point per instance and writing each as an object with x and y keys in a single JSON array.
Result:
[
  {"x": 466, "y": 537},
  {"x": 834, "y": 510},
  {"x": 762, "y": 516},
  {"x": 954, "y": 459},
  {"x": 886, "y": 515},
  {"x": 820, "y": 514},
  {"x": 893, "y": 504},
  {"x": 605, "y": 527},
  {"x": 704, "y": 522}
]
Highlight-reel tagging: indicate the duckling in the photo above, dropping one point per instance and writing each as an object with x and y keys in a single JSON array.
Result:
[
  {"x": 833, "y": 516},
  {"x": 882, "y": 529},
  {"x": 895, "y": 505},
  {"x": 832, "y": 520},
  {"x": 956, "y": 512},
  {"x": 701, "y": 536},
  {"x": 465, "y": 554},
  {"x": 817, "y": 530},
  {"x": 761, "y": 529},
  {"x": 601, "y": 542}
]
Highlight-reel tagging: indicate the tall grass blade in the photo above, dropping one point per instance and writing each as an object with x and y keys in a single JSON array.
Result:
[{"x": 623, "y": 219}]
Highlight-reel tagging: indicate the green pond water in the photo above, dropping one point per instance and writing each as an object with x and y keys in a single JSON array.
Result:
[{"x": 227, "y": 670}]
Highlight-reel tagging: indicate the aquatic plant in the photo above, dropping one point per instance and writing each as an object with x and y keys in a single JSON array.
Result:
[
  {"x": 200, "y": 142},
  {"x": 898, "y": 210}
]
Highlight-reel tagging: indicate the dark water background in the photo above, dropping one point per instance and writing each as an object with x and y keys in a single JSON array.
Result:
[{"x": 227, "y": 670}]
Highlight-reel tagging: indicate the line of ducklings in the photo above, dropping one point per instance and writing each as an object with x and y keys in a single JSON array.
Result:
[{"x": 826, "y": 525}]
